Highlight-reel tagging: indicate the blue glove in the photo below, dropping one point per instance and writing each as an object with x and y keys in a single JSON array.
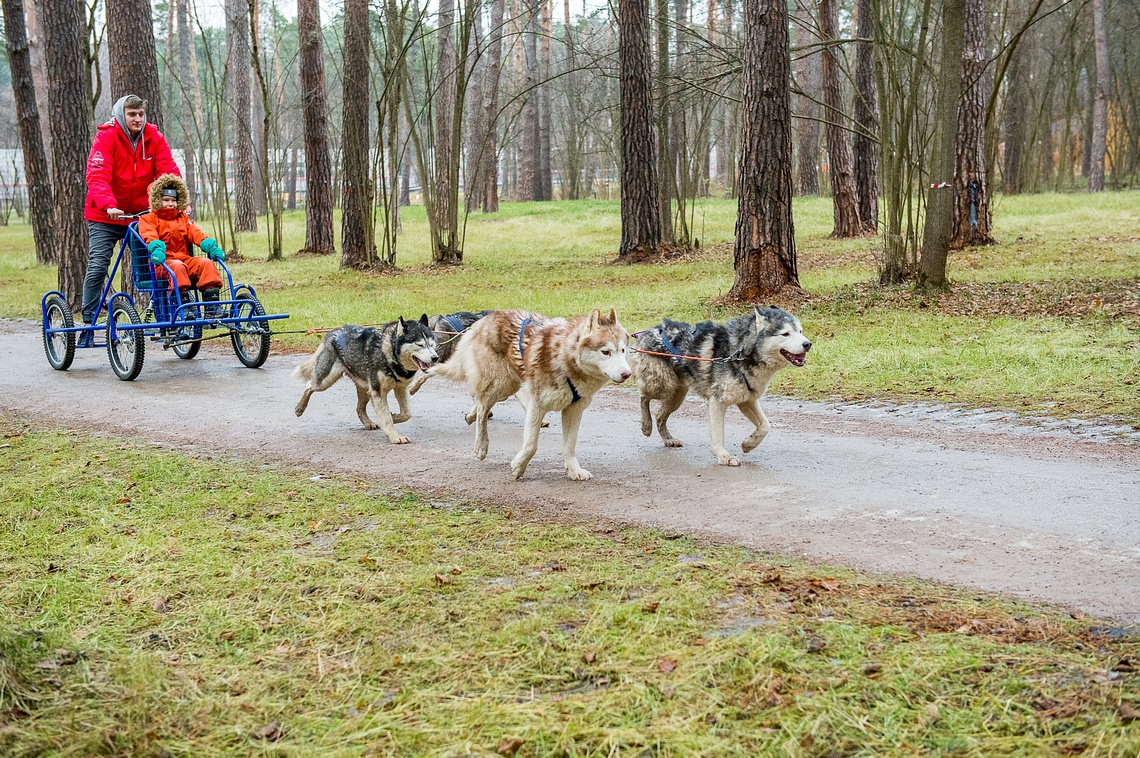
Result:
[
  {"x": 157, "y": 250},
  {"x": 209, "y": 247}
]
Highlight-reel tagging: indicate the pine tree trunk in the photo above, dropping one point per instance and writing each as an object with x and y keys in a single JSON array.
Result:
[
  {"x": 291, "y": 182},
  {"x": 807, "y": 107},
  {"x": 491, "y": 117},
  {"x": 844, "y": 207},
  {"x": 731, "y": 134},
  {"x": 36, "y": 172},
  {"x": 865, "y": 145},
  {"x": 640, "y": 212},
  {"x": 356, "y": 244},
  {"x": 529, "y": 180},
  {"x": 475, "y": 130},
  {"x": 133, "y": 55},
  {"x": 1016, "y": 106},
  {"x": 972, "y": 203},
  {"x": 445, "y": 246},
  {"x": 940, "y": 206},
  {"x": 664, "y": 137},
  {"x": 70, "y": 122},
  {"x": 1100, "y": 101},
  {"x": 314, "y": 108},
  {"x": 546, "y": 177},
  {"x": 189, "y": 115},
  {"x": 34, "y": 15},
  {"x": 237, "y": 68},
  {"x": 764, "y": 254}
]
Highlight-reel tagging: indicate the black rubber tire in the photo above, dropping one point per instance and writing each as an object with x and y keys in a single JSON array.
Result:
[
  {"x": 251, "y": 349},
  {"x": 59, "y": 348},
  {"x": 128, "y": 352},
  {"x": 188, "y": 350}
]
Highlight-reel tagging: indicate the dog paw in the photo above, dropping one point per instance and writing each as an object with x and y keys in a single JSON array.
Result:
[
  {"x": 371, "y": 427},
  {"x": 481, "y": 451},
  {"x": 725, "y": 459},
  {"x": 751, "y": 443},
  {"x": 545, "y": 424},
  {"x": 518, "y": 469},
  {"x": 299, "y": 410},
  {"x": 398, "y": 440},
  {"x": 578, "y": 474},
  {"x": 674, "y": 442},
  {"x": 400, "y": 418},
  {"x": 469, "y": 418}
]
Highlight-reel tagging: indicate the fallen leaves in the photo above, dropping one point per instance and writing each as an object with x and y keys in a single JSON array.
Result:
[
  {"x": 510, "y": 745},
  {"x": 667, "y": 665},
  {"x": 161, "y": 605}
]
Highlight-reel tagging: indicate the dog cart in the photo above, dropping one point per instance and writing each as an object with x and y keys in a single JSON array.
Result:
[{"x": 169, "y": 317}]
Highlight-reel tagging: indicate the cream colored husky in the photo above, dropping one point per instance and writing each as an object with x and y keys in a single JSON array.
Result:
[{"x": 553, "y": 365}]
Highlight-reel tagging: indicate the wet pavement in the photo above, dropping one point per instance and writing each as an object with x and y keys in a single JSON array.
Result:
[{"x": 1034, "y": 508}]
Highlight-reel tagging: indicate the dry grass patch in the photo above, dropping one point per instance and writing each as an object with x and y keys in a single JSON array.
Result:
[{"x": 157, "y": 604}]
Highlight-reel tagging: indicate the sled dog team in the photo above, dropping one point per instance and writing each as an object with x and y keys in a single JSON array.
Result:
[{"x": 557, "y": 364}]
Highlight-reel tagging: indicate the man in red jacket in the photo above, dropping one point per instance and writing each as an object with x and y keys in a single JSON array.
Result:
[{"x": 127, "y": 156}]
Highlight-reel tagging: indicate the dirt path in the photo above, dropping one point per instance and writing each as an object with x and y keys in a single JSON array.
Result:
[{"x": 959, "y": 498}]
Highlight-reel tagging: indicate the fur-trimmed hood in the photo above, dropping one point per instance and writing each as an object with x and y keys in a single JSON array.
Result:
[{"x": 161, "y": 183}]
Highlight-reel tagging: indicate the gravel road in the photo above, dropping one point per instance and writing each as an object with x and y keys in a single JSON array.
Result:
[{"x": 972, "y": 499}]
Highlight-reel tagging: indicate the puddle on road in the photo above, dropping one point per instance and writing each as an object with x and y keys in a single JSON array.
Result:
[{"x": 984, "y": 420}]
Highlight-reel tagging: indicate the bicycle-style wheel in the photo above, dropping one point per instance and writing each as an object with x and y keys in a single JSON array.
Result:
[
  {"x": 250, "y": 338},
  {"x": 60, "y": 348},
  {"x": 187, "y": 350},
  {"x": 126, "y": 348}
]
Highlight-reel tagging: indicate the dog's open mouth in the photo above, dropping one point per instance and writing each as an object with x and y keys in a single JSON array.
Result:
[
  {"x": 423, "y": 365},
  {"x": 796, "y": 359}
]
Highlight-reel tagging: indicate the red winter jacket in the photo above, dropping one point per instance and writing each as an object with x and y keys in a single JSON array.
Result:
[{"x": 118, "y": 175}]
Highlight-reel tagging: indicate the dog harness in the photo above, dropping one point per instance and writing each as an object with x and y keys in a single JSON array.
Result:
[
  {"x": 522, "y": 330},
  {"x": 677, "y": 357},
  {"x": 454, "y": 323}
]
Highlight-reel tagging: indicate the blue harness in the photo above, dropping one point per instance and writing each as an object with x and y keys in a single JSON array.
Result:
[
  {"x": 522, "y": 329},
  {"x": 454, "y": 323},
  {"x": 677, "y": 357}
]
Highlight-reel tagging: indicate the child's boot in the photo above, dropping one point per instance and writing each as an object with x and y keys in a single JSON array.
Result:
[{"x": 210, "y": 295}]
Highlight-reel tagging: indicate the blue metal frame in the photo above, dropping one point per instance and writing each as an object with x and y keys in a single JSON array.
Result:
[{"x": 171, "y": 315}]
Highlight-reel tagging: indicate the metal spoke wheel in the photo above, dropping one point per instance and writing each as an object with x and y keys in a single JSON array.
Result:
[
  {"x": 251, "y": 337},
  {"x": 188, "y": 350},
  {"x": 125, "y": 348},
  {"x": 60, "y": 348}
]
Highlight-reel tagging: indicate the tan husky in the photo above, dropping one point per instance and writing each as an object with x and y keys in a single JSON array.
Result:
[{"x": 553, "y": 365}]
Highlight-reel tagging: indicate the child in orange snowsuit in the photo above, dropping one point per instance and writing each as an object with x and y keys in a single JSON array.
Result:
[{"x": 170, "y": 235}]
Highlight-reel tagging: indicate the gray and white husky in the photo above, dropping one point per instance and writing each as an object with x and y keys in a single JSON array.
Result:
[
  {"x": 378, "y": 361},
  {"x": 746, "y": 353},
  {"x": 448, "y": 328}
]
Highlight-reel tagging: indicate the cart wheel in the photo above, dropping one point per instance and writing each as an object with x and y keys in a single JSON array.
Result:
[
  {"x": 127, "y": 350},
  {"x": 60, "y": 348},
  {"x": 250, "y": 338},
  {"x": 188, "y": 350}
]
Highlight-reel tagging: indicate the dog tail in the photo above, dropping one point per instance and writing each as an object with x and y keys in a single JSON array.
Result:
[{"x": 305, "y": 370}]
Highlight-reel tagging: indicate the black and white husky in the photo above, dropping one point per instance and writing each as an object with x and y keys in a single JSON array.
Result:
[
  {"x": 378, "y": 361},
  {"x": 745, "y": 354}
]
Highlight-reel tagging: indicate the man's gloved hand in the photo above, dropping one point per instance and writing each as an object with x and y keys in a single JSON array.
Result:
[
  {"x": 157, "y": 250},
  {"x": 210, "y": 248}
]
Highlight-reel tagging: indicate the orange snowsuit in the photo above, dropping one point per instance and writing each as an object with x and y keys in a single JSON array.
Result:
[{"x": 175, "y": 228}]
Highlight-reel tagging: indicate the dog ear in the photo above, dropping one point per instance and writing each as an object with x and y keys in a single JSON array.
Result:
[
  {"x": 400, "y": 326},
  {"x": 613, "y": 315},
  {"x": 424, "y": 319},
  {"x": 760, "y": 319},
  {"x": 595, "y": 317}
]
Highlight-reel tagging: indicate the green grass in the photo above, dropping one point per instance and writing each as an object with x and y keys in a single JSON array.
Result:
[
  {"x": 157, "y": 604},
  {"x": 553, "y": 258}
]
